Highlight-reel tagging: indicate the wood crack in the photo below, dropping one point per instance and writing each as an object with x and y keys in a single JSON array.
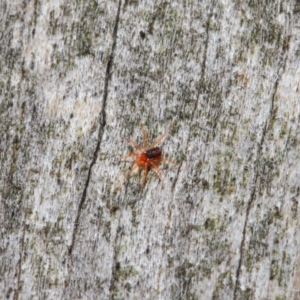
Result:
[
  {"x": 188, "y": 141},
  {"x": 102, "y": 124}
]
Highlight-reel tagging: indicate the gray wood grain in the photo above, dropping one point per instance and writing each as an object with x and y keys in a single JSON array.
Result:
[{"x": 79, "y": 76}]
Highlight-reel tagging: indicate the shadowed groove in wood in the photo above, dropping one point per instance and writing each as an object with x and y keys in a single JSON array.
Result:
[
  {"x": 203, "y": 67},
  {"x": 16, "y": 294},
  {"x": 115, "y": 264},
  {"x": 102, "y": 124},
  {"x": 281, "y": 70}
]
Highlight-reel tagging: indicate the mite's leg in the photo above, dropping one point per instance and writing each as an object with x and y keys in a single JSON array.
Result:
[
  {"x": 158, "y": 173},
  {"x": 160, "y": 139},
  {"x": 170, "y": 161},
  {"x": 135, "y": 166},
  {"x": 133, "y": 143},
  {"x": 145, "y": 172},
  {"x": 127, "y": 175},
  {"x": 145, "y": 137},
  {"x": 129, "y": 155}
]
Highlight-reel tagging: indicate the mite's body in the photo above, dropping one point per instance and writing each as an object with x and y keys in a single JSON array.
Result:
[
  {"x": 148, "y": 159},
  {"x": 151, "y": 156}
]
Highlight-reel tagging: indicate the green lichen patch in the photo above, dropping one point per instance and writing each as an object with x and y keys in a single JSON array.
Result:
[
  {"x": 124, "y": 278},
  {"x": 224, "y": 181},
  {"x": 224, "y": 286}
]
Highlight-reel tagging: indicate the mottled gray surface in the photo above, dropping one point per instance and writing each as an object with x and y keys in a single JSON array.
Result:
[{"x": 77, "y": 77}]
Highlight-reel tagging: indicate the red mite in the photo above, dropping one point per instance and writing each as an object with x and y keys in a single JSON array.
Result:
[{"x": 148, "y": 157}]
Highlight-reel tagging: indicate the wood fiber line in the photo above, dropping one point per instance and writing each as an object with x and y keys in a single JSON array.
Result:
[{"x": 272, "y": 112}]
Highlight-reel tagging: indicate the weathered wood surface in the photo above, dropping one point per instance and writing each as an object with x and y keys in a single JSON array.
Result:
[{"x": 77, "y": 76}]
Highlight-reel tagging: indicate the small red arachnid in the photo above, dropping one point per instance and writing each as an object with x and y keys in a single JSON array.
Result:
[{"x": 148, "y": 157}]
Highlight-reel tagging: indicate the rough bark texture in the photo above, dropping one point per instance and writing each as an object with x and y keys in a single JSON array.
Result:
[{"x": 78, "y": 76}]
